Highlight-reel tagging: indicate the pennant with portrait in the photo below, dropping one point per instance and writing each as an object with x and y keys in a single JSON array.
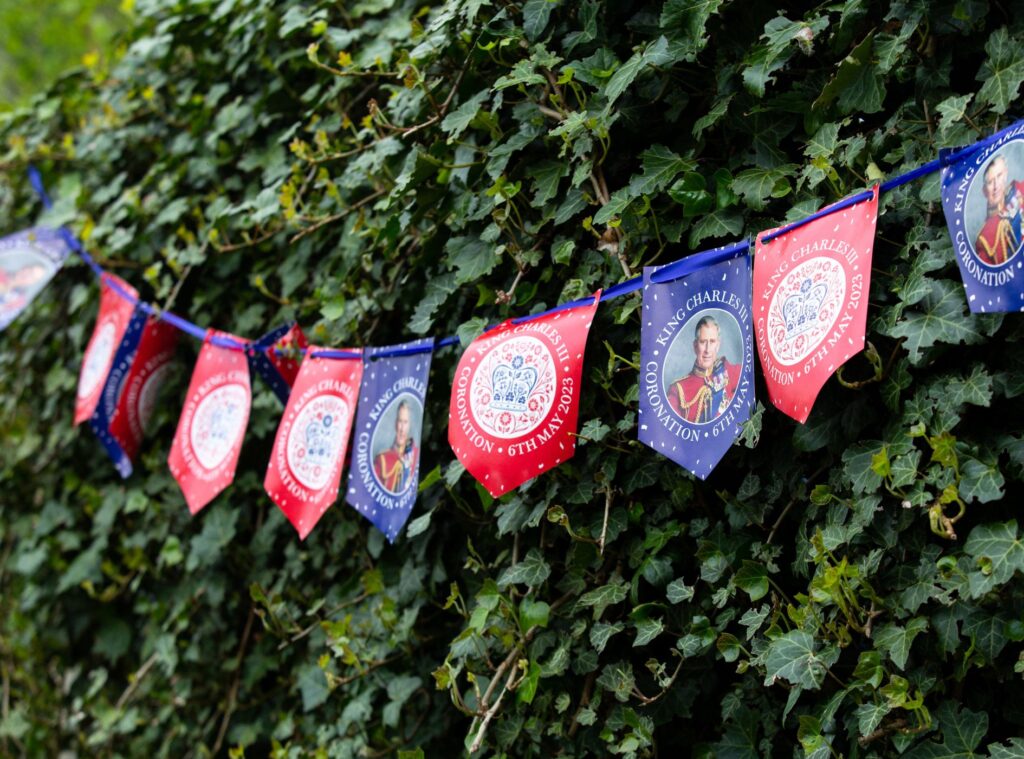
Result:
[
  {"x": 305, "y": 466},
  {"x": 385, "y": 473},
  {"x": 696, "y": 363},
  {"x": 983, "y": 199},
  {"x": 811, "y": 302},
  {"x": 515, "y": 400}
]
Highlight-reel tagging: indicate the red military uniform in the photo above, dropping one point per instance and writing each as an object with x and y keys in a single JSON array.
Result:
[
  {"x": 394, "y": 470},
  {"x": 1000, "y": 238},
  {"x": 702, "y": 395}
]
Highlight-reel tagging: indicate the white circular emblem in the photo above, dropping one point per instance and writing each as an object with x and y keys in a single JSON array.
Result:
[
  {"x": 315, "y": 439},
  {"x": 97, "y": 359},
  {"x": 804, "y": 309},
  {"x": 513, "y": 388},
  {"x": 217, "y": 424},
  {"x": 150, "y": 391}
]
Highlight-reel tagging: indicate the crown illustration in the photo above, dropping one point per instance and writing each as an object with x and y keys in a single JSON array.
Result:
[
  {"x": 512, "y": 385},
  {"x": 800, "y": 310},
  {"x": 319, "y": 441},
  {"x": 219, "y": 421}
]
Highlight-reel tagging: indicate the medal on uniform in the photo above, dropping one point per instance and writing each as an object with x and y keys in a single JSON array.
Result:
[
  {"x": 208, "y": 440},
  {"x": 143, "y": 383},
  {"x": 384, "y": 477},
  {"x": 811, "y": 302},
  {"x": 305, "y": 465},
  {"x": 696, "y": 362},
  {"x": 515, "y": 399},
  {"x": 983, "y": 197},
  {"x": 28, "y": 261},
  {"x": 275, "y": 358},
  {"x": 115, "y": 312}
]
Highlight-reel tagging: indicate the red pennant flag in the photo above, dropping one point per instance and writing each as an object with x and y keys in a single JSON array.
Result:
[
  {"x": 811, "y": 302},
  {"x": 309, "y": 451},
  {"x": 206, "y": 445},
  {"x": 115, "y": 313},
  {"x": 515, "y": 400},
  {"x": 143, "y": 384}
]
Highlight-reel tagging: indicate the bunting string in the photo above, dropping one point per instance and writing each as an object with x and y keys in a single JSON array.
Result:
[{"x": 666, "y": 273}]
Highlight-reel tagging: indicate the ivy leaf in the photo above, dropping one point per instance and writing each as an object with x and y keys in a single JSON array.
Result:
[
  {"x": 471, "y": 257},
  {"x": 856, "y": 83},
  {"x": 796, "y": 658},
  {"x": 869, "y": 716},
  {"x": 603, "y": 597},
  {"x": 660, "y": 167},
  {"x": 1003, "y": 72},
  {"x": 1015, "y": 749},
  {"x": 752, "y": 578},
  {"x": 602, "y": 632},
  {"x": 980, "y": 481},
  {"x": 313, "y": 686},
  {"x": 655, "y": 54},
  {"x": 712, "y": 117},
  {"x": 536, "y": 14},
  {"x": 997, "y": 550},
  {"x": 961, "y": 730},
  {"x": 858, "y": 466},
  {"x": 720, "y": 223},
  {"x": 758, "y": 184},
  {"x": 678, "y": 591},
  {"x": 647, "y": 630},
  {"x": 437, "y": 292},
  {"x": 455, "y": 123},
  {"x": 531, "y": 571},
  {"x": 942, "y": 319},
  {"x": 546, "y": 175},
  {"x": 896, "y": 640}
]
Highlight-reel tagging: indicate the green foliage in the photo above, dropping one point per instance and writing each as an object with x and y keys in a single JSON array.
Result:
[{"x": 383, "y": 169}]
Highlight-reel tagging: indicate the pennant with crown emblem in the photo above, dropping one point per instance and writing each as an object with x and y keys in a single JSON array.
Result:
[
  {"x": 983, "y": 199},
  {"x": 304, "y": 471},
  {"x": 116, "y": 311},
  {"x": 212, "y": 425},
  {"x": 385, "y": 473},
  {"x": 811, "y": 302},
  {"x": 515, "y": 400},
  {"x": 696, "y": 363},
  {"x": 147, "y": 373},
  {"x": 276, "y": 356},
  {"x": 28, "y": 261}
]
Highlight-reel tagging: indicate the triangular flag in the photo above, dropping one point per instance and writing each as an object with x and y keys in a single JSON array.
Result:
[
  {"x": 28, "y": 261},
  {"x": 115, "y": 312},
  {"x": 811, "y": 302},
  {"x": 271, "y": 358},
  {"x": 150, "y": 367},
  {"x": 385, "y": 473},
  {"x": 304, "y": 471},
  {"x": 696, "y": 363},
  {"x": 515, "y": 400},
  {"x": 983, "y": 196},
  {"x": 212, "y": 425}
]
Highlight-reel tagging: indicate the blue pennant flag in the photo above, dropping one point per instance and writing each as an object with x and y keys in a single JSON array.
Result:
[
  {"x": 112, "y": 387},
  {"x": 28, "y": 260},
  {"x": 696, "y": 363},
  {"x": 384, "y": 479},
  {"x": 275, "y": 368},
  {"x": 982, "y": 196}
]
